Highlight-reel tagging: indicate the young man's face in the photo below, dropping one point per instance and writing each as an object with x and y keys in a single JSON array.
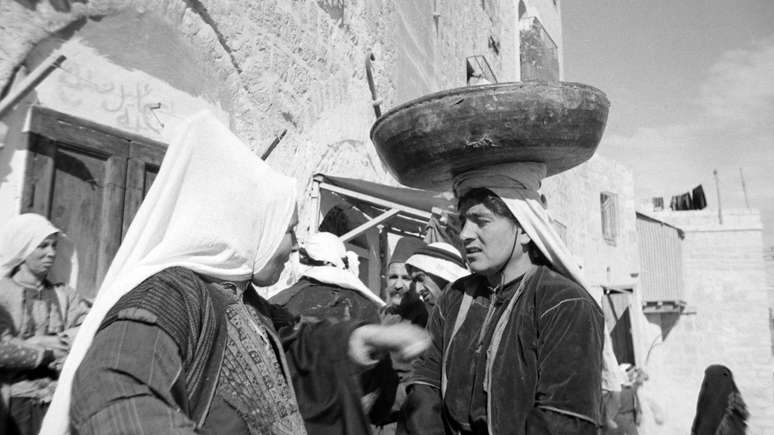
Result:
[
  {"x": 490, "y": 240},
  {"x": 398, "y": 282}
]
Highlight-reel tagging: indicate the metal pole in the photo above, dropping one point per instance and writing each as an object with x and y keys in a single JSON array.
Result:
[
  {"x": 273, "y": 145},
  {"x": 720, "y": 205},
  {"x": 744, "y": 189},
  {"x": 371, "y": 85}
]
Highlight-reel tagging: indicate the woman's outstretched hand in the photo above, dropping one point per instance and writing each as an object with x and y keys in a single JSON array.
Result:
[{"x": 403, "y": 339}]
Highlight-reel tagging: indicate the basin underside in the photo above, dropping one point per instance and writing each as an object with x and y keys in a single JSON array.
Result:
[{"x": 427, "y": 141}]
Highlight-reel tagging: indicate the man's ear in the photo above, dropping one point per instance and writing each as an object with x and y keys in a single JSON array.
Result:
[{"x": 522, "y": 237}]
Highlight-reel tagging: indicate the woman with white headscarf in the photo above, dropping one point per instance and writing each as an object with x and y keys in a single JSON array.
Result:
[
  {"x": 177, "y": 340},
  {"x": 36, "y": 308}
]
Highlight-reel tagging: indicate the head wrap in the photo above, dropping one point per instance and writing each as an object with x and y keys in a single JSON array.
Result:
[
  {"x": 405, "y": 247},
  {"x": 439, "y": 259},
  {"x": 22, "y": 234},
  {"x": 325, "y": 247},
  {"x": 214, "y": 208},
  {"x": 328, "y": 248}
]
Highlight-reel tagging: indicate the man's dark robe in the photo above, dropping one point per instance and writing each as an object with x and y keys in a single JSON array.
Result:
[
  {"x": 309, "y": 297},
  {"x": 544, "y": 377}
]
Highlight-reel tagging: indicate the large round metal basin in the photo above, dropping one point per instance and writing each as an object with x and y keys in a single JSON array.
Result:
[{"x": 427, "y": 141}]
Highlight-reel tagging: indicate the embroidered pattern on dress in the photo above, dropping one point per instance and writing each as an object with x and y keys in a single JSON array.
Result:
[{"x": 251, "y": 379}]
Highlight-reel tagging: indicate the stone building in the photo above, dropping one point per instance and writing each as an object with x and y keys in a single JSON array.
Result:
[
  {"x": 716, "y": 314},
  {"x": 83, "y": 145}
]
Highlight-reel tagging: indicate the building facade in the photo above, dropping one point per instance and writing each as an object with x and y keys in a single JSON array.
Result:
[
  {"x": 135, "y": 68},
  {"x": 724, "y": 319}
]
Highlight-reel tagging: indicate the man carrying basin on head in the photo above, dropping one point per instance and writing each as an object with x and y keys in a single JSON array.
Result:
[{"x": 517, "y": 346}]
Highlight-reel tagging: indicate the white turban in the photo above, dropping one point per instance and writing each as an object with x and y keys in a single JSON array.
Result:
[{"x": 328, "y": 248}]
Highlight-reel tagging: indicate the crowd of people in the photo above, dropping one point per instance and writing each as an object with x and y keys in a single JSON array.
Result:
[{"x": 502, "y": 338}]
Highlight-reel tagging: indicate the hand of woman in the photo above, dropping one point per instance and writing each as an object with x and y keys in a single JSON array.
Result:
[{"x": 407, "y": 341}]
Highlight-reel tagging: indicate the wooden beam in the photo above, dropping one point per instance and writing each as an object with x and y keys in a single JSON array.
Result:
[
  {"x": 374, "y": 200},
  {"x": 30, "y": 82},
  {"x": 368, "y": 225}
]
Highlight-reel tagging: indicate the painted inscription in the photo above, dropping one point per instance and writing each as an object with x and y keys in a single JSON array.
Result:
[{"x": 128, "y": 101}]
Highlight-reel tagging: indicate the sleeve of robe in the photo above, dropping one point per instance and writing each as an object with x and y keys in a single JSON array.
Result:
[
  {"x": 422, "y": 408},
  {"x": 15, "y": 354},
  {"x": 569, "y": 358},
  {"x": 325, "y": 379},
  {"x": 125, "y": 384}
]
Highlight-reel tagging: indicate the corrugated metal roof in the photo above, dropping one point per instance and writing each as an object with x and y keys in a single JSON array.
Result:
[{"x": 661, "y": 258}]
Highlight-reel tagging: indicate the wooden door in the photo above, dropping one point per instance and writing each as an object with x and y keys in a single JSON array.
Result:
[{"x": 89, "y": 181}]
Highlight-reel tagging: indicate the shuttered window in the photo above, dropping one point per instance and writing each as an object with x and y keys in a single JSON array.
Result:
[{"x": 609, "y": 206}]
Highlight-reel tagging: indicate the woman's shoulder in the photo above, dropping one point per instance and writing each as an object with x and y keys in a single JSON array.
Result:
[{"x": 172, "y": 291}]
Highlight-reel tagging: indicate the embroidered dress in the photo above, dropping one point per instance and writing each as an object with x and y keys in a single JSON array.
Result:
[{"x": 199, "y": 357}]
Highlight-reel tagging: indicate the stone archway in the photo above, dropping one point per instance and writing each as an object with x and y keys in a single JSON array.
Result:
[{"x": 168, "y": 39}]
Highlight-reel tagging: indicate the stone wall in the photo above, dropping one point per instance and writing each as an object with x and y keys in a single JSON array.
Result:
[
  {"x": 726, "y": 321},
  {"x": 574, "y": 200},
  {"x": 273, "y": 65}
]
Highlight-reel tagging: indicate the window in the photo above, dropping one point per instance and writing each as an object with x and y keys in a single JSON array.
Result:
[{"x": 609, "y": 206}]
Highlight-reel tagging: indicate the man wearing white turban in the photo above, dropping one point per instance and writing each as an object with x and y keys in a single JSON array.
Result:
[
  {"x": 517, "y": 346},
  {"x": 177, "y": 340},
  {"x": 329, "y": 287}
]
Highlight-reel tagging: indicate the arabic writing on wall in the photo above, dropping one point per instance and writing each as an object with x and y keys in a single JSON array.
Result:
[{"x": 128, "y": 101}]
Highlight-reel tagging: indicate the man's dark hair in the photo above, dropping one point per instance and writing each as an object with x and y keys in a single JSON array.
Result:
[{"x": 496, "y": 205}]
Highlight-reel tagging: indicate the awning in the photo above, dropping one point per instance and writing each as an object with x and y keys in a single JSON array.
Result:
[{"x": 402, "y": 209}]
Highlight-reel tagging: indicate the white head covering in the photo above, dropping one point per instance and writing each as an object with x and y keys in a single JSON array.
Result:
[
  {"x": 440, "y": 259},
  {"x": 214, "y": 208},
  {"x": 326, "y": 247},
  {"x": 329, "y": 248},
  {"x": 22, "y": 234}
]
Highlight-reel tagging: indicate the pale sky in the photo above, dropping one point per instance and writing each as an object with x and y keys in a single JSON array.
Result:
[{"x": 691, "y": 85}]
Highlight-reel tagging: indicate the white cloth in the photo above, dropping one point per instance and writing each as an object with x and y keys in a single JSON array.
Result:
[
  {"x": 329, "y": 248},
  {"x": 214, "y": 208},
  {"x": 23, "y": 233},
  {"x": 326, "y": 247},
  {"x": 438, "y": 266}
]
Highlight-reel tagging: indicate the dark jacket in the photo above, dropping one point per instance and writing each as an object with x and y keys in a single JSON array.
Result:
[{"x": 543, "y": 377}]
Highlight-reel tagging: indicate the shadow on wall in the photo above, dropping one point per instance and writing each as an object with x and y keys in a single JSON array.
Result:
[
  {"x": 58, "y": 5},
  {"x": 665, "y": 321}
]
